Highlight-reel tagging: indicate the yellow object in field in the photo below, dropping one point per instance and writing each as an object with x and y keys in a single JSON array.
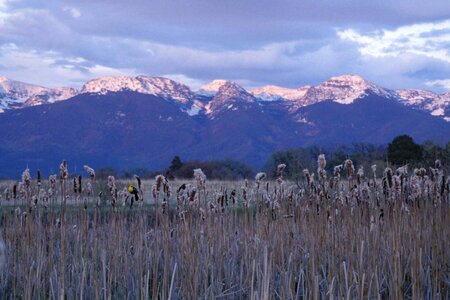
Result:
[{"x": 131, "y": 189}]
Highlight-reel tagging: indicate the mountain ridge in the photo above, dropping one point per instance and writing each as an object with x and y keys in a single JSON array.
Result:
[
  {"x": 127, "y": 129},
  {"x": 344, "y": 89}
]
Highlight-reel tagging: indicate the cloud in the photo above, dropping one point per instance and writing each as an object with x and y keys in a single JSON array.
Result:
[
  {"x": 409, "y": 56},
  {"x": 49, "y": 68},
  {"x": 444, "y": 83},
  {"x": 74, "y": 12},
  {"x": 288, "y": 43},
  {"x": 426, "y": 39}
]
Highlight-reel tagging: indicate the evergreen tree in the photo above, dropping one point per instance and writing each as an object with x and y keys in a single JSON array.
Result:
[
  {"x": 404, "y": 150},
  {"x": 176, "y": 164}
]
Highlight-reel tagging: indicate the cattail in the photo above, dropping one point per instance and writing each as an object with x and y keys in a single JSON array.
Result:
[
  {"x": 233, "y": 197},
  {"x": 438, "y": 164},
  {"x": 181, "y": 188},
  {"x": 99, "y": 199},
  {"x": 80, "y": 181},
  {"x": 349, "y": 168},
  {"x": 307, "y": 176},
  {"x": 260, "y": 176},
  {"x": 26, "y": 178},
  {"x": 52, "y": 180},
  {"x": 111, "y": 183},
  {"x": 22, "y": 190},
  {"x": 280, "y": 170},
  {"x": 434, "y": 174},
  {"x": 192, "y": 195},
  {"x": 160, "y": 181},
  {"x": 52, "y": 185},
  {"x": 75, "y": 185},
  {"x": 63, "y": 172},
  {"x": 42, "y": 196},
  {"x": 15, "y": 191},
  {"x": 321, "y": 161},
  {"x": 442, "y": 185},
  {"x": 360, "y": 175},
  {"x": 374, "y": 170},
  {"x": 388, "y": 175},
  {"x": 321, "y": 173},
  {"x": 112, "y": 189},
  {"x": 89, "y": 189},
  {"x": 90, "y": 171},
  {"x": 138, "y": 181},
  {"x": 200, "y": 177},
  {"x": 422, "y": 172},
  {"x": 402, "y": 171},
  {"x": 337, "y": 171},
  {"x": 7, "y": 193},
  {"x": 397, "y": 183},
  {"x": 374, "y": 175},
  {"x": 415, "y": 185},
  {"x": 39, "y": 177}
]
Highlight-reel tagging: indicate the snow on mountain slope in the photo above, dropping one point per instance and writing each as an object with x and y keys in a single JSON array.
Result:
[
  {"x": 158, "y": 86},
  {"x": 229, "y": 96},
  {"x": 210, "y": 89},
  {"x": 221, "y": 94},
  {"x": 16, "y": 94},
  {"x": 435, "y": 104},
  {"x": 51, "y": 96},
  {"x": 274, "y": 93},
  {"x": 343, "y": 89}
]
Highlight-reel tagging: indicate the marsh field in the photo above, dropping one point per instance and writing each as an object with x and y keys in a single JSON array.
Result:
[{"x": 341, "y": 235}]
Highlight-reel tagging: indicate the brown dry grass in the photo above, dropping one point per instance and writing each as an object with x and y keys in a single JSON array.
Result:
[{"x": 286, "y": 243}]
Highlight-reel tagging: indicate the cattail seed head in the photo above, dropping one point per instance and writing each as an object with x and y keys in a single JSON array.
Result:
[
  {"x": 200, "y": 177},
  {"x": 160, "y": 181},
  {"x": 321, "y": 161},
  {"x": 280, "y": 168},
  {"x": 26, "y": 178},
  {"x": 349, "y": 168},
  {"x": 90, "y": 171},
  {"x": 260, "y": 176},
  {"x": 438, "y": 164},
  {"x": 337, "y": 170},
  {"x": 402, "y": 171},
  {"x": 63, "y": 172}
]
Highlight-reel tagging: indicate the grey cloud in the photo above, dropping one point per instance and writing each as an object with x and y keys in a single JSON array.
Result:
[{"x": 289, "y": 43}]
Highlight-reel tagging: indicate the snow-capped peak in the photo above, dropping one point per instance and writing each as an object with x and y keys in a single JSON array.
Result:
[
  {"x": 158, "y": 86},
  {"x": 435, "y": 104},
  {"x": 231, "y": 90},
  {"x": 211, "y": 88},
  {"x": 15, "y": 94},
  {"x": 344, "y": 89},
  {"x": 273, "y": 93},
  {"x": 229, "y": 96}
]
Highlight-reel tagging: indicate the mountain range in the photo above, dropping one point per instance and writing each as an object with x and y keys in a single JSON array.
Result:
[{"x": 127, "y": 122}]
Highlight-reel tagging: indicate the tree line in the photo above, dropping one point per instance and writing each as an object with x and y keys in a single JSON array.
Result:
[{"x": 400, "y": 151}]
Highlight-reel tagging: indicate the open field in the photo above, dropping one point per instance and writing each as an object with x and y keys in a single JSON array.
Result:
[{"x": 347, "y": 239}]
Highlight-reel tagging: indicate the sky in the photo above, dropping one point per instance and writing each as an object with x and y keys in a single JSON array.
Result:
[{"x": 291, "y": 43}]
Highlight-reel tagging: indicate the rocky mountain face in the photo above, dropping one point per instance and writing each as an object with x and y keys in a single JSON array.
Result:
[
  {"x": 127, "y": 122},
  {"x": 16, "y": 94},
  {"x": 342, "y": 89}
]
